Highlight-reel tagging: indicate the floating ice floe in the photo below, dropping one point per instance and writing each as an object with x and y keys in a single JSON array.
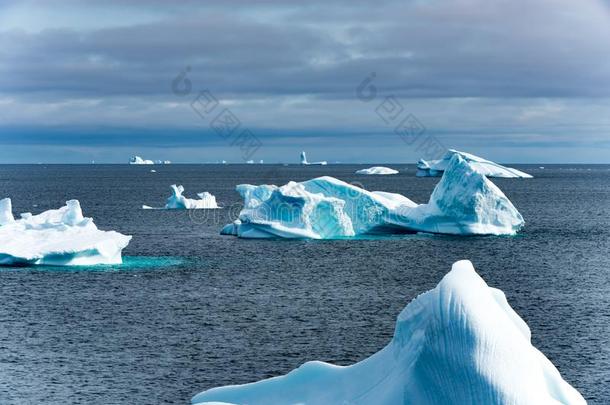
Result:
[
  {"x": 137, "y": 160},
  {"x": 306, "y": 163},
  {"x": 459, "y": 343},
  {"x": 377, "y": 170},
  {"x": 435, "y": 168},
  {"x": 180, "y": 202},
  {"x": 59, "y": 237},
  {"x": 464, "y": 202}
]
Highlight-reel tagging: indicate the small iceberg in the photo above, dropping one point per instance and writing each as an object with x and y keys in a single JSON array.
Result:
[
  {"x": 377, "y": 170},
  {"x": 435, "y": 168},
  {"x": 137, "y": 160},
  {"x": 179, "y": 202},
  {"x": 464, "y": 202},
  {"x": 61, "y": 237},
  {"x": 459, "y": 343},
  {"x": 304, "y": 161}
]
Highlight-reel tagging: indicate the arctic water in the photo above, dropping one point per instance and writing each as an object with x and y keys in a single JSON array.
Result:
[{"x": 191, "y": 309}]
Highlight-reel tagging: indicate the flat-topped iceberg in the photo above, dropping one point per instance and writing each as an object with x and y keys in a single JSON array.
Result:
[
  {"x": 180, "y": 202},
  {"x": 435, "y": 168},
  {"x": 306, "y": 163},
  {"x": 459, "y": 343},
  {"x": 377, "y": 170},
  {"x": 137, "y": 160},
  {"x": 59, "y": 237},
  {"x": 463, "y": 203}
]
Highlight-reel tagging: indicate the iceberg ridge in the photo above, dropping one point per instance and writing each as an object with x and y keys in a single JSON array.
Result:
[
  {"x": 377, "y": 170},
  {"x": 459, "y": 343},
  {"x": 435, "y": 168},
  {"x": 180, "y": 202}
]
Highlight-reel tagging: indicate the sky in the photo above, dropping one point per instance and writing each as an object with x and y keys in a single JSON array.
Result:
[{"x": 514, "y": 81}]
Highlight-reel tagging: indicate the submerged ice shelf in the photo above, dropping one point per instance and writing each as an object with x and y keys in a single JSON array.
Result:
[
  {"x": 435, "y": 168},
  {"x": 56, "y": 237},
  {"x": 464, "y": 202},
  {"x": 178, "y": 201},
  {"x": 459, "y": 343}
]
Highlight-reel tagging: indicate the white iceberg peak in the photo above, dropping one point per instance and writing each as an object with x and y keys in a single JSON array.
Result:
[
  {"x": 377, "y": 170},
  {"x": 306, "y": 163},
  {"x": 486, "y": 167},
  {"x": 137, "y": 160},
  {"x": 178, "y": 201},
  {"x": 58, "y": 237},
  {"x": 6, "y": 212},
  {"x": 463, "y": 203},
  {"x": 459, "y": 343}
]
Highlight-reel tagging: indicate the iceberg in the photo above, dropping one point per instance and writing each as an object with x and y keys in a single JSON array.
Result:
[
  {"x": 137, "y": 160},
  {"x": 180, "y": 202},
  {"x": 304, "y": 161},
  {"x": 435, "y": 168},
  {"x": 464, "y": 202},
  {"x": 377, "y": 170},
  {"x": 459, "y": 343},
  {"x": 60, "y": 237}
]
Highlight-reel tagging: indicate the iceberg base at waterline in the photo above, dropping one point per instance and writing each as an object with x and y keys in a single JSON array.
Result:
[
  {"x": 459, "y": 343},
  {"x": 179, "y": 202},
  {"x": 61, "y": 237},
  {"x": 377, "y": 170},
  {"x": 464, "y": 202}
]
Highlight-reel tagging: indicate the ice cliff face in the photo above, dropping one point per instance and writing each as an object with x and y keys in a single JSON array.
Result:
[
  {"x": 463, "y": 203},
  {"x": 485, "y": 167},
  {"x": 57, "y": 237},
  {"x": 460, "y": 343}
]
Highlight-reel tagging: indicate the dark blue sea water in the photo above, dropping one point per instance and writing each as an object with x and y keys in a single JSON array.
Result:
[{"x": 191, "y": 309}]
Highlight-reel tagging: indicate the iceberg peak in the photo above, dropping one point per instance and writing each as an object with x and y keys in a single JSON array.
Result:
[
  {"x": 379, "y": 170},
  {"x": 459, "y": 343},
  {"x": 6, "y": 212},
  {"x": 434, "y": 168}
]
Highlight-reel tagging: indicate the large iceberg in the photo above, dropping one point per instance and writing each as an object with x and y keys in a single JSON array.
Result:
[
  {"x": 180, "y": 202},
  {"x": 464, "y": 202},
  {"x": 435, "y": 168},
  {"x": 306, "y": 163},
  {"x": 460, "y": 343},
  {"x": 56, "y": 237},
  {"x": 137, "y": 160},
  {"x": 377, "y": 170}
]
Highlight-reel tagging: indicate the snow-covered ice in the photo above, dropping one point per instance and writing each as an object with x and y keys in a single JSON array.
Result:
[
  {"x": 377, "y": 170},
  {"x": 459, "y": 343},
  {"x": 464, "y": 202},
  {"x": 137, "y": 160},
  {"x": 57, "y": 237},
  {"x": 435, "y": 168},
  {"x": 178, "y": 201},
  {"x": 306, "y": 163}
]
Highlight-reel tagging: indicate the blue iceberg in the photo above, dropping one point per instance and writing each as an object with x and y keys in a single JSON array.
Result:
[
  {"x": 464, "y": 202},
  {"x": 460, "y": 343}
]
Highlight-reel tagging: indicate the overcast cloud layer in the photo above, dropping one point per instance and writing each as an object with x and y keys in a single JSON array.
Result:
[{"x": 518, "y": 81}]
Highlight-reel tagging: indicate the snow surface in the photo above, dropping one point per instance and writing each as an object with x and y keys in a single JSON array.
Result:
[
  {"x": 435, "y": 168},
  {"x": 377, "y": 170},
  {"x": 459, "y": 343},
  {"x": 137, "y": 160},
  {"x": 178, "y": 201},
  {"x": 306, "y": 163},
  {"x": 464, "y": 202},
  {"x": 57, "y": 237}
]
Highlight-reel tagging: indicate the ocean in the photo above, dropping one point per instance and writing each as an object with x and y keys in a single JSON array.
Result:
[{"x": 191, "y": 309}]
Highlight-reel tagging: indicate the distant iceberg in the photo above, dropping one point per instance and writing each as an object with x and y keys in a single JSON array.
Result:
[
  {"x": 59, "y": 237},
  {"x": 137, "y": 160},
  {"x": 306, "y": 163},
  {"x": 377, "y": 170},
  {"x": 180, "y": 202},
  {"x": 435, "y": 168},
  {"x": 459, "y": 343},
  {"x": 464, "y": 202}
]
